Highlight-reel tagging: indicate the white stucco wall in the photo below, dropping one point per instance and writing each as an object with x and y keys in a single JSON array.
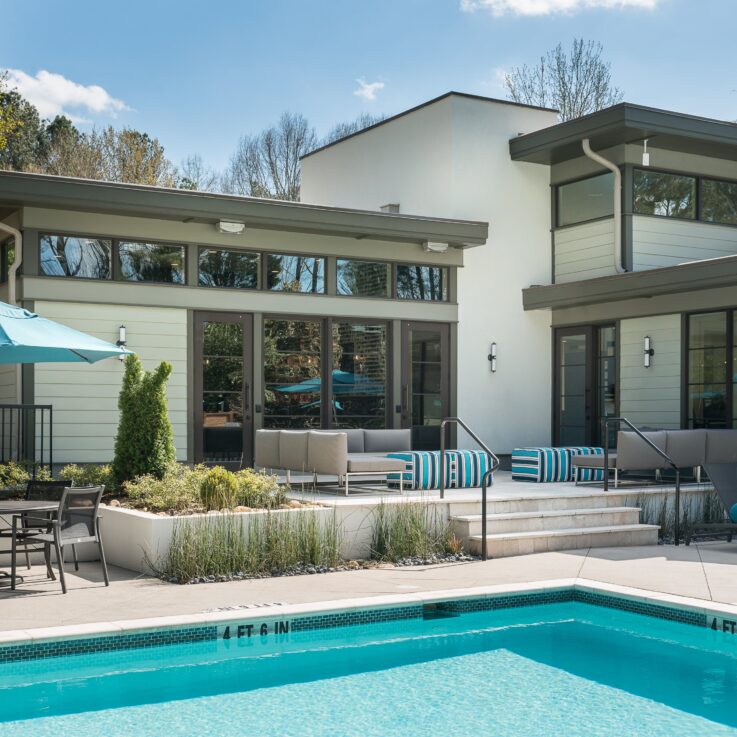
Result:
[
  {"x": 85, "y": 397},
  {"x": 451, "y": 159}
]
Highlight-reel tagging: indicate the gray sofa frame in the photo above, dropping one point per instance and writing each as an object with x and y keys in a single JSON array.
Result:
[{"x": 346, "y": 454}]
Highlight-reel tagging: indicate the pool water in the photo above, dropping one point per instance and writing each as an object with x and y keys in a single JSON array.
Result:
[{"x": 557, "y": 669}]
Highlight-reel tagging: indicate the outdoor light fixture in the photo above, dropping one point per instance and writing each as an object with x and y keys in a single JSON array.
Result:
[
  {"x": 230, "y": 227},
  {"x": 434, "y": 247},
  {"x": 648, "y": 353},
  {"x": 645, "y": 155},
  {"x": 492, "y": 358},
  {"x": 121, "y": 341}
]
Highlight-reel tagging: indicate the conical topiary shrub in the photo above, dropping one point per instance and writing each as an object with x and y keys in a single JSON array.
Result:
[{"x": 145, "y": 442}]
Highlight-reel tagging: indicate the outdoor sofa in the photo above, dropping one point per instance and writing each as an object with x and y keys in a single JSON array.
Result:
[
  {"x": 345, "y": 454},
  {"x": 686, "y": 448}
]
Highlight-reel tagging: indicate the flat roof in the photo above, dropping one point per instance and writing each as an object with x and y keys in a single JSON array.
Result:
[
  {"x": 21, "y": 189},
  {"x": 627, "y": 123},
  {"x": 423, "y": 105},
  {"x": 693, "y": 276}
]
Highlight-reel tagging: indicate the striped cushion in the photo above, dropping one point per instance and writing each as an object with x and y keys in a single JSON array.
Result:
[
  {"x": 544, "y": 464},
  {"x": 587, "y": 474},
  {"x": 463, "y": 468}
]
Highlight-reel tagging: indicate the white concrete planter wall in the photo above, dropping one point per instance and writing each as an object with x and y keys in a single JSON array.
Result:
[{"x": 131, "y": 537}]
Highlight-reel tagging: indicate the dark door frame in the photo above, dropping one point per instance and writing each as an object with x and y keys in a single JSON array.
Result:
[
  {"x": 592, "y": 398},
  {"x": 246, "y": 320},
  {"x": 406, "y": 377}
]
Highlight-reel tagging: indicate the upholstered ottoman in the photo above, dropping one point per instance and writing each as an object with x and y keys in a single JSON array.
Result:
[
  {"x": 463, "y": 468},
  {"x": 544, "y": 465}
]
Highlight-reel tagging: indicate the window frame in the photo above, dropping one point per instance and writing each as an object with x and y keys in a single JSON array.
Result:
[
  {"x": 326, "y": 358},
  {"x": 701, "y": 179},
  {"x": 391, "y": 280},
  {"x": 731, "y": 314},
  {"x": 697, "y": 194},
  {"x": 556, "y": 201},
  {"x": 265, "y": 272},
  {"x": 259, "y": 275},
  {"x": 445, "y": 287},
  {"x": 121, "y": 280},
  {"x": 63, "y": 234}
]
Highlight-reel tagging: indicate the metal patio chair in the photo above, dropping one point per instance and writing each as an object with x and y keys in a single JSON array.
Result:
[
  {"x": 35, "y": 490},
  {"x": 77, "y": 521}
]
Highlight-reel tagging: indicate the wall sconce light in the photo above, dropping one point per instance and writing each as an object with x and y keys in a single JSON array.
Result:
[
  {"x": 648, "y": 353},
  {"x": 645, "y": 155},
  {"x": 122, "y": 340},
  {"x": 492, "y": 358}
]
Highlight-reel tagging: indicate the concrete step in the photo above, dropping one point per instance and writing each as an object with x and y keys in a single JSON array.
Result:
[
  {"x": 542, "y": 502},
  {"x": 557, "y": 519},
  {"x": 502, "y": 545}
]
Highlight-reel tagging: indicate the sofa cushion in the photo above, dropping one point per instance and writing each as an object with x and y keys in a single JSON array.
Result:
[
  {"x": 593, "y": 461},
  {"x": 365, "y": 463},
  {"x": 266, "y": 451},
  {"x": 293, "y": 450},
  {"x": 721, "y": 446},
  {"x": 634, "y": 454},
  {"x": 355, "y": 440},
  {"x": 327, "y": 452},
  {"x": 686, "y": 448},
  {"x": 386, "y": 441}
]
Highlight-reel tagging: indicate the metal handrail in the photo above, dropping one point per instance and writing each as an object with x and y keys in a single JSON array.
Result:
[
  {"x": 495, "y": 463},
  {"x": 619, "y": 420}
]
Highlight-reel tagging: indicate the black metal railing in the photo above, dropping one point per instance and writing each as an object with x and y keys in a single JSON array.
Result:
[
  {"x": 26, "y": 435},
  {"x": 623, "y": 420},
  {"x": 484, "y": 481}
]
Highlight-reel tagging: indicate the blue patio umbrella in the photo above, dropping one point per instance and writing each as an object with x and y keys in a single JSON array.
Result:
[
  {"x": 344, "y": 382},
  {"x": 26, "y": 337}
]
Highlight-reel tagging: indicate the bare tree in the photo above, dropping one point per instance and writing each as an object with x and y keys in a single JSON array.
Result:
[
  {"x": 195, "y": 174},
  {"x": 576, "y": 82},
  {"x": 349, "y": 127},
  {"x": 267, "y": 165}
]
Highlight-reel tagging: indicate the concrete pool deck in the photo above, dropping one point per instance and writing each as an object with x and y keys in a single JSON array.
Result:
[{"x": 705, "y": 572}]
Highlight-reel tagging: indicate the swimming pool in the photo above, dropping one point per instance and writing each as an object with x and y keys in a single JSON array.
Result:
[{"x": 549, "y": 664}]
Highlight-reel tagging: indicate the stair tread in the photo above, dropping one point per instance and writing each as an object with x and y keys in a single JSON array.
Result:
[
  {"x": 545, "y": 513},
  {"x": 566, "y": 531}
]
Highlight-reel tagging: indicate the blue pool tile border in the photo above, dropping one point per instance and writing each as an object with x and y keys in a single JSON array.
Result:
[{"x": 201, "y": 633}]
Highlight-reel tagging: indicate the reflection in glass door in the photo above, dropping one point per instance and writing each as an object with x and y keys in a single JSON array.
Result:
[
  {"x": 425, "y": 382},
  {"x": 585, "y": 383},
  {"x": 223, "y": 370}
]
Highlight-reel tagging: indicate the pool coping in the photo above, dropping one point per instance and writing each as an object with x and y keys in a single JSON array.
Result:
[{"x": 715, "y": 614}]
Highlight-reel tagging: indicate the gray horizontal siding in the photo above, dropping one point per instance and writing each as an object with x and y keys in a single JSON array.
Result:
[
  {"x": 584, "y": 251},
  {"x": 651, "y": 397},
  {"x": 85, "y": 398},
  {"x": 658, "y": 242}
]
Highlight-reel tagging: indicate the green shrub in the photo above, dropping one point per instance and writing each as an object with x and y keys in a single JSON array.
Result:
[
  {"x": 248, "y": 545},
  {"x": 13, "y": 475},
  {"x": 258, "y": 490},
  {"x": 89, "y": 475},
  {"x": 218, "y": 489},
  {"x": 411, "y": 530},
  {"x": 144, "y": 444},
  {"x": 177, "y": 491}
]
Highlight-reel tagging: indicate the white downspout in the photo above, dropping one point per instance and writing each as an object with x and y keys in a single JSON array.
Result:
[
  {"x": 617, "y": 202},
  {"x": 17, "y": 260}
]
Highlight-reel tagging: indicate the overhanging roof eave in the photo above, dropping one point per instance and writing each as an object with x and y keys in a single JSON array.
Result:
[
  {"x": 688, "y": 277},
  {"x": 19, "y": 189}
]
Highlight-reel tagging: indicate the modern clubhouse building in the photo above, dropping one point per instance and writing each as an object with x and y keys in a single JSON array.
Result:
[{"x": 468, "y": 257}]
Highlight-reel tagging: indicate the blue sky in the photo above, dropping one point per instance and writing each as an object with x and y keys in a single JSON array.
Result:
[{"x": 199, "y": 74}]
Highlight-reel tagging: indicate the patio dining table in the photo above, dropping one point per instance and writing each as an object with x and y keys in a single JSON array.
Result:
[{"x": 11, "y": 507}]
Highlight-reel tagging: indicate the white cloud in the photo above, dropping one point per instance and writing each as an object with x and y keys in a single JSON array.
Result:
[
  {"x": 549, "y": 7},
  {"x": 54, "y": 94},
  {"x": 368, "y": 90}
]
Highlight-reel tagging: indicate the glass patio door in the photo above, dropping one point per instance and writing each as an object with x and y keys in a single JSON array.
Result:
[
  {"x": 585, "y": 383},
  {"x": 425, "y": 381},
  {"x": 223, "y": 376}
]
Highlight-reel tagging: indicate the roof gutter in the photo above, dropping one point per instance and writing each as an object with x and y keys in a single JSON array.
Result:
[
  {"x": 619, "y": 268},
  {"x": 17, "y": 260}
]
